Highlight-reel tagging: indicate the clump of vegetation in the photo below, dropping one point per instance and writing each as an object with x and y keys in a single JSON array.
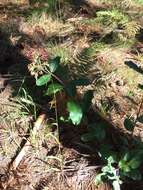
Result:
[
  {"x": 96, "y": 40},
  {"x": 50, "y": 26},
  {"x": 55, "y": 85}
]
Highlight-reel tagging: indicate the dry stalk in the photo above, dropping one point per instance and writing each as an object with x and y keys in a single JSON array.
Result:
[
  {"x": 16, "y": 161},
  {"x": 37, "y": 127}
]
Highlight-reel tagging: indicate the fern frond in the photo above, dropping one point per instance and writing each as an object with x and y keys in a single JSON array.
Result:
[
  {"x": 131, "y": 29},
  {"x": 94, "y": 48},
  {"x": 112, "y": 17},
  {"x": 123, "y": 4}
]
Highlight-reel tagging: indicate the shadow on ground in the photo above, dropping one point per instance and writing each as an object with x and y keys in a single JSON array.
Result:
[{"x": 134, "y": 66}]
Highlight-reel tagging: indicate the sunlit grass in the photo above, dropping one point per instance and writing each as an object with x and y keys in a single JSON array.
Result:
[{"x": 51, "y": 26}]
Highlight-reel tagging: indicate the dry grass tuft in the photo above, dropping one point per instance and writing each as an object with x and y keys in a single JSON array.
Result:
[{"x": 48, "y": 25}]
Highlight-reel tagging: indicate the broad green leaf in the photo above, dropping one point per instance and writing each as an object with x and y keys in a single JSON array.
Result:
[
  {"x": 129, "y": 124},
  {"x": 135, "y": 163},
  {"x": 53, "y": 88},
  {"x": 111, "y": 160},
  {"x": 126, "y": 157},
  {"x": 106, "y": 169},
  {"x": 54, "y": 64},
  {"x": 98, "y": 179},
  {"x": 123, "y": 165},
  {"x": 116, "y": 185},
  {"x": 75, "y": 112},
  {"x": 43, "y": 80},
  {"x": 86, "y": 101},
  {"x": 126, "y": 168}
]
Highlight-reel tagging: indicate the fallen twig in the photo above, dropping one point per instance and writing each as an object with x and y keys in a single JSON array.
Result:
[
  {"x": 19, "y": 157},
  {"x": 37, "y": 126}
]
